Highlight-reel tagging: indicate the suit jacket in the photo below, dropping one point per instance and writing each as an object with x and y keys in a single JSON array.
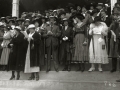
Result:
[
  {"x": 52, "y": 39},
  {"x": 68, "y": 33}
]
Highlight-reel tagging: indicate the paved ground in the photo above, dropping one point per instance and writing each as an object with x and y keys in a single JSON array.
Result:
[{"x": 62, "y": 81}]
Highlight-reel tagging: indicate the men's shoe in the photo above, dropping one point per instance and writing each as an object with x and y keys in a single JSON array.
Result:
[
  {"x": 57, "y": 70},
  {"x": 65, "y": 69},
  {"x": 48, "y": 70},
  {"x": 113, "y": 70},
  {"x": 69, "y": 69},
  {"x": 118, "y": 80}
]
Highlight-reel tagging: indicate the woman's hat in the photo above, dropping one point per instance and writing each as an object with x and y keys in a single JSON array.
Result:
[
  {"x": 79, "y": 16},
  {"x": 8, "y": 27},
  {"x": 18, "y": 28},
  {"x": 14, "y": 17},
  {"x": 94, "y": 11},
  {"x": 11, "y": 20},
  {"x": 97, "y": 19},
  {"x": 2, "y": 25},
  {"x": 100, "y": 4},
  {"x": 31, "y": 26},
  {"x": 20, "y": 20},
  {"x": 52, "y": 17},
  {"x": 27, "y": 20},
  {"x": 3, "y": 18},
  {"x": 36, "y": 20}
]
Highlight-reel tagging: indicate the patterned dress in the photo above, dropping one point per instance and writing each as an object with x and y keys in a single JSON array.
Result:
[
  {"x": 6, "y": 51},
  {"x": 81, "y": 51}
]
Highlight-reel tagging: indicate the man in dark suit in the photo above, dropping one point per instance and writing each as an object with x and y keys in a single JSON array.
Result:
[
  {"x": 105, "y": 18},
  {"x": 65, "y": 46},
  {"x": 52, "y": 42}
]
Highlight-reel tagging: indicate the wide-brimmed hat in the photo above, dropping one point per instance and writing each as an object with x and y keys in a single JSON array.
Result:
[
  {"x": 97, "y": 19},
  {"x": 27, "y": 20},
  {"x": 94, "y": 11},
  {"x": 1, "y": 24},
  {"x": 100, "y": 4},
  {"x": 36, "y": 20},
  {"x": 52, "y": 17},
  {"x": 79, "y": 16},
  {"x": 3, "y": 18},
  {"x": 8, "y": 27},
  {"x": 14, "y": 17},
  {"x": 20, "y": 20},
  {"x": 31, "y": 26},
  {"x": 11, "y": 20},
  {"x": 18, "y": 28}
]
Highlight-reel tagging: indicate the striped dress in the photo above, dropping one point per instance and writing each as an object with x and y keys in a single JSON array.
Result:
[
  {"x": 81, "y": 51},
  {"x": 6, "y": 50}
]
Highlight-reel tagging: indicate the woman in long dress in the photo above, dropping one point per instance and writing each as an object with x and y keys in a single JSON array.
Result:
[
  {"x": 6, "y": 51},
  {"x": 97, "y": 49},
  {"x": 32, "y": 56},
  {"x": 38, "y": 29},
  {"x": 81, "y": 49},
  {"x": 16, "y": 59}
]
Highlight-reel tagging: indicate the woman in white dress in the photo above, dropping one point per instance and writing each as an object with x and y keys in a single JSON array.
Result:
[
  {"x": 97, "y": 49},
  {"x": 32, "y": 56},
  {"x": 6, "y": 51}
]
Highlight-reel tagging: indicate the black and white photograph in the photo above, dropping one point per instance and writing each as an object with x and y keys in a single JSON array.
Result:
[{"x": 59, "y": 44}]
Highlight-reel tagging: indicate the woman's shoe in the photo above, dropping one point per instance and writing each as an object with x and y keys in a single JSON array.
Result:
[
  {"x": 79, "y": 69},
  {"x": 12, "y": 77},
  {"x": 91, "y": 69},
  {"x": 37, "y": 78},
  {"x": 18, "y": 77},
  {"x": 82, "y": 70},
  {"x": 69, "y": 69},
  {"x": 32, "y": 78},
  {"x": 100, "y": 69}
]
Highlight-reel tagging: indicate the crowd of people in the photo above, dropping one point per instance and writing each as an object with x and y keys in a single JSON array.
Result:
[{"x": 68, "y": 35}]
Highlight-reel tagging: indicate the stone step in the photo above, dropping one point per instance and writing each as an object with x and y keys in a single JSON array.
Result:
[
  {"x": 58, "y": 85},
  {"x": 74, "y": 67},
  {"x": 62, "y": 81}
]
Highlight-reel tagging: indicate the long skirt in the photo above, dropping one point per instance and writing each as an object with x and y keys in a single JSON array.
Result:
[
  {"x": 98, "y": 51},
  {"x": 5, "y": 56},
  {"x": 29, "y": 69},
  {"x": 81, "y": 51}
]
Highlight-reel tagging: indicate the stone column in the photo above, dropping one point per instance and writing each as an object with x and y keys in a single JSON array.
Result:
[
  {"x": 15, "y": 8},
  {"x": 113, "y": 3}
]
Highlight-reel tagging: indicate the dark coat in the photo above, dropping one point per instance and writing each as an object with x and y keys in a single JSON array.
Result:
[
  {"x": 1, "y": 39},
  {"x": 114, "y": 45},
  {"x": 65, "y": 46},
  {"x": 34, "y": 52},
  {"x": 17, "y": 55},
  {"x": 53, "y": 39}
]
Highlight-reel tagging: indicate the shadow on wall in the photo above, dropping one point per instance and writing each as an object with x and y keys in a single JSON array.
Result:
[{"x": 34, "y": 5}]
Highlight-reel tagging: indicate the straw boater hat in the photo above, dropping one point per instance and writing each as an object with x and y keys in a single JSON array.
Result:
[{"x": 31, "y": 26}]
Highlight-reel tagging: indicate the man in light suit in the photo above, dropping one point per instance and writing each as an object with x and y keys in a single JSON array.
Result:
[{"x": 52, "y": 42}]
